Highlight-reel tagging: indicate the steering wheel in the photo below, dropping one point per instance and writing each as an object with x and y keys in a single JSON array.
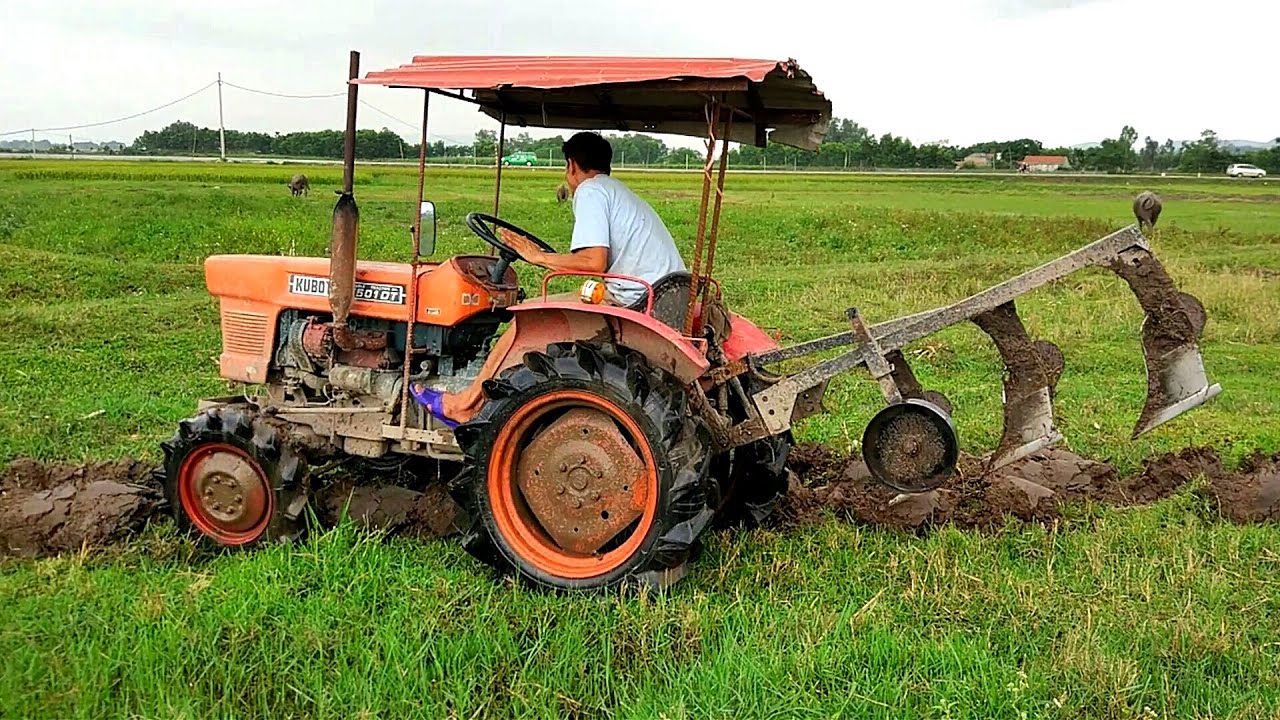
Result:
[{"x": 480, "y": 223}]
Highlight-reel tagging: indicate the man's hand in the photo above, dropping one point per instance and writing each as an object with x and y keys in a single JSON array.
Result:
[{"x": 523, "y": 246}]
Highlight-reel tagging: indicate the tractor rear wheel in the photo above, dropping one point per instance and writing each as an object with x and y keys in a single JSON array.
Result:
[
  {"x": 753, "y": 480},
  {"x": 230, "y": 477},
  {"x": 585, "y": 470}
]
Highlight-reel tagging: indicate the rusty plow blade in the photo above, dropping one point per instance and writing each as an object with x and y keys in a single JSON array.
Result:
[
  {"x": 1032, "y": 369},
  {"x": 1176, "y": 380}
]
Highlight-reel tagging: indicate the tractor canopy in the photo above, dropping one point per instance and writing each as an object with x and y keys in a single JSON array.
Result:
[{"x": 772, "y": 100}]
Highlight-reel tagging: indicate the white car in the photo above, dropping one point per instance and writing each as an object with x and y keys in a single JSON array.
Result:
[{"x": 1244, "y": 170}]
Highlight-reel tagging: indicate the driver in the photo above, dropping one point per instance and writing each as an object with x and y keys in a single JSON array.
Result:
[{"x": 614, "y": 232}]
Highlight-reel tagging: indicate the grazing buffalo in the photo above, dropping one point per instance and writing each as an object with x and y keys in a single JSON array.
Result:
[
  {"x": 299, "y": 185},
  {"x": 1146, "y": 208}
]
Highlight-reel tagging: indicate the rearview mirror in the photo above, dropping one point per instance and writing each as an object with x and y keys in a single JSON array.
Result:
[{"x": 427, "y": 231}]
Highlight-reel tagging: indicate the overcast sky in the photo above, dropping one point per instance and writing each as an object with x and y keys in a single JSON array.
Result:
[{"x": 1061, "y": 71}]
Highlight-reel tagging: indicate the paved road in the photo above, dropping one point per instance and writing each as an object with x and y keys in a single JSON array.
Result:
[{"x": 628, "y": 168}]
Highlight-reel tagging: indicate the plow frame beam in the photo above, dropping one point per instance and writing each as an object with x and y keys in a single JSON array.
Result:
[{"x": 777, "y": 403}]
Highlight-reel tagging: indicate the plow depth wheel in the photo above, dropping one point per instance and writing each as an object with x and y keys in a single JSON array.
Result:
[
  {"x": 911, "y": 446},
  {"x": 230, "y": 478},
  {"x": 585, "y": 471}
]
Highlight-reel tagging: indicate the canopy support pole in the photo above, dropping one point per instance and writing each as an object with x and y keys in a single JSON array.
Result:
[
  {"x": 414, "y": 264},
  {"x": 713, "y": 116},
  {"x": 715, "y": 213},
  {"x": 502, "y": 139}
]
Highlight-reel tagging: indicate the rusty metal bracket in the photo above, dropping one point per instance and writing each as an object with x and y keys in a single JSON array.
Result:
[
  {"x": 723, "y": 373},
  {"x": 715, "y": 421},
  {"x": 777, "y": 403},
  {"x": 880, "y": 368}
]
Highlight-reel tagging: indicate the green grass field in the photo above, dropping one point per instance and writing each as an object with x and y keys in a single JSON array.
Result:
[{"x": 1162, "y": 611}]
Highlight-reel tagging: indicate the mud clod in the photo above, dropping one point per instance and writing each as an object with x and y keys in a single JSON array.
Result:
[{"x": 1251, "y": 495}]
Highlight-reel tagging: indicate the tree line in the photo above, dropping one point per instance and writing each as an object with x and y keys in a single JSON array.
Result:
[{"x": 846, "y": 145}]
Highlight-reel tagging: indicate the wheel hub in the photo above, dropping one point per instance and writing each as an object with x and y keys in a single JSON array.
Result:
[
  {"x": 582, "y": 480},
  {"x": 227, "y": 492}
]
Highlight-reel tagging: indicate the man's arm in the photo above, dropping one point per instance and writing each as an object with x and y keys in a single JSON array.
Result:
[
  {"x": 589, "y": 247},
  {"x": 588, "y": 259}
]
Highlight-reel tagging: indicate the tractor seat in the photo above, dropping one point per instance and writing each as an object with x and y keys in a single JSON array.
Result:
[{"x": 670, "y": 299}]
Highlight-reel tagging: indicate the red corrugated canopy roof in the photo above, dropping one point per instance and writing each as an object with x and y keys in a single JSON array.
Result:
[
  {"x": 638, "y": 94},
  {"x": 540, "y": 71}
]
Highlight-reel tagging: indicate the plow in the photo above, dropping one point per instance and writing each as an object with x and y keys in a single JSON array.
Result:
[{"x": 609, "y": 439}]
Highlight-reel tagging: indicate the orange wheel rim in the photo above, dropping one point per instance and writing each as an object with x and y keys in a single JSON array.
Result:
[
  {"x": 514, "y": 510},
  {"x": 225, "y": 493}
]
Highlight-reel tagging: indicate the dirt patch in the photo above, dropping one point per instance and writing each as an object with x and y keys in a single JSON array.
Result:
[
  {"x": 1034, "y": 489},
  {"x": 392, "y": 508},
  {"x": 1252, "y": 494},
  {"x": 47, "y": 509}
]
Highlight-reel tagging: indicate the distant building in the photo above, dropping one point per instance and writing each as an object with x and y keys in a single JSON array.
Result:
[
  {"x": 977, "y": 160},
  {"x": 1044, "y": 163}
]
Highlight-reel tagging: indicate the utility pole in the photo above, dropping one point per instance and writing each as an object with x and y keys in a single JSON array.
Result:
[
  {"x": 33, "y": 142},
  {"x": 222, "y": 130}
]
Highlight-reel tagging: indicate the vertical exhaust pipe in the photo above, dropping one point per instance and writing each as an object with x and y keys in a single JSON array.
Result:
[{"x": 346, "y": 225}]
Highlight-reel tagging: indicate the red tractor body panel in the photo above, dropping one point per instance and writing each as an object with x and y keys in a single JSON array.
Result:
[{"x": 539, "y": 323}]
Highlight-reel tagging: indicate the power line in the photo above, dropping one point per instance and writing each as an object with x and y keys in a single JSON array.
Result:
[
  {"x": 116, "y": 120},
  {"x": 412, "y": 126},
  {"x": 282, "y": 95},
  {"x": 384, "y": 113},
  {"x": 371, "y": 106}
]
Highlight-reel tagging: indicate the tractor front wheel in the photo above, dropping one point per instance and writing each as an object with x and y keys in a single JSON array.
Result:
[
  {"x": 585, "y": 470},
  {"x": 231, "y": 478}
]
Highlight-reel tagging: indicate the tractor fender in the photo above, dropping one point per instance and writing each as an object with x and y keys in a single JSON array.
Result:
[
  {"x": 745, "y": 338},
  {"x": 539, "y": 324}
]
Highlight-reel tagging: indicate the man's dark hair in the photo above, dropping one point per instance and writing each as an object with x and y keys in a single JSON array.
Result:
[{"x": 589, "y": 150}]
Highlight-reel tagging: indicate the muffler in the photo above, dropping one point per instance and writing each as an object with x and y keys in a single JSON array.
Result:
[{"x": 346, "y": 227}]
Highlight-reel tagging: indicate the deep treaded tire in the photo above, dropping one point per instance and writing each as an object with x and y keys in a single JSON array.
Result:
[
  {"x": 647, "y": 407},
  {"x": 230, "y": 477},
  {"x": 753, "y": 481}
]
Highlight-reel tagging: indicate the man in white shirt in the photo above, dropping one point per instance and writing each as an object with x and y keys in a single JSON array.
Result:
[{"x": 614, "y": 231}]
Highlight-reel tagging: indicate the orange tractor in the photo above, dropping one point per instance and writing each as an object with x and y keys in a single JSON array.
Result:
[{"x": 610, "y": 438}]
